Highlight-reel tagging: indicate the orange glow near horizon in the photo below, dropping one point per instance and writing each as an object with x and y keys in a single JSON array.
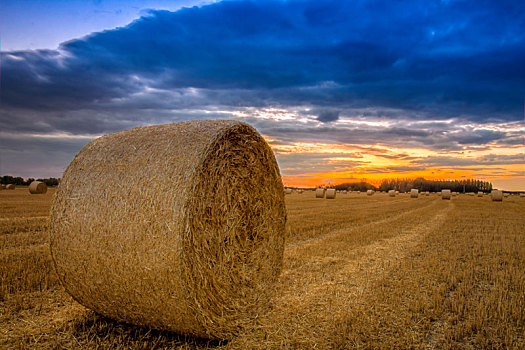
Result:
[{"x": 374, "y": 163}]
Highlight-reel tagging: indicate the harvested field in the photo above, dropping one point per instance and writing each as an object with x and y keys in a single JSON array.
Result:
[{"x": 359, "y": 272}]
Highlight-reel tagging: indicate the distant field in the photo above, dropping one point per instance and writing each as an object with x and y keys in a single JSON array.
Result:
[{"x": 359, "y": 272}]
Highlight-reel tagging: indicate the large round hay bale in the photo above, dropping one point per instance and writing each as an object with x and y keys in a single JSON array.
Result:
[
  {"x": 414, "y": 193},
  {"x": 392, "y": 193},
  {"x": 177, "y": 227},
  {"x": 369, "y": 192},
  {"x": 37, "y": 187},
  {"x": 446, "y": 194},
  {"x": 330, "y": 193},
  {"x": 319, "y": 193},
  {"x": 10, "y": 187},
  {"x": 497, "y": 195},
  {"x": 480, "y": 194}
]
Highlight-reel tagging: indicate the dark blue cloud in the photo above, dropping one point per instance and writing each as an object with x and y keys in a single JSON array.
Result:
[
  {"x": 328, "y": 116},
  {"x": 446, "y": 58}
]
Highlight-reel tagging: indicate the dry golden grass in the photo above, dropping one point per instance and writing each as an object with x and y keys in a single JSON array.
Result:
[{"x": 359, "y": 272}]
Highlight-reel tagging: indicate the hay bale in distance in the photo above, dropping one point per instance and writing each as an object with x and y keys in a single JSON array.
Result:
[
  {"x": 480, "y": 194},
  {"x": 497, "y": 195},
  {"x": 185, "y": 233},
  {"x": 287, "y": 191},
  {"x": 392, "y": 193},
  {"x": 446, "y": 194},
  {"x": 414, "y": 193},
  {"x": 10, "y": 187},
  {"x": 319, "y": 193},
  {"x": 522, "y": 194},
  {"x": 37, "y": 187},
  {"x": 369, "y": 192},
  {"x": 330, "y": 193},
  {"x": 506, "y": 194}
]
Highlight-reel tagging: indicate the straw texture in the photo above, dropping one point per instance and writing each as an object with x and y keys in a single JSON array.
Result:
[
  {"x": 177, "y": 227},
  {"x": 497, "y": 195},
  {"x": 37, "y": 187},
  {"x": 330, "y": 193}
]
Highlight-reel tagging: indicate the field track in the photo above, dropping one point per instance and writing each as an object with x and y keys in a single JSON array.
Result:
[{"x": 359, "y": 272}]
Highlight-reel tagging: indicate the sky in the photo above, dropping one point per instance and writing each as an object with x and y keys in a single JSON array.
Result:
[{"x": 342, "y": 91}]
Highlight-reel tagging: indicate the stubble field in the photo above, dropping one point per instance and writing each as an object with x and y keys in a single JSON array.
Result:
[{"x": 359, "y": 272}]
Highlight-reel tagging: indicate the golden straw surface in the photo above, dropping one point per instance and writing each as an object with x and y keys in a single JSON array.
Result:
[
  {"x": 178, "y": 227},
  {"x": 37, "y": 187}
]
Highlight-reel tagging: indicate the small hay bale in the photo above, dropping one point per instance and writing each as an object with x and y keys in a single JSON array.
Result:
[
  {"x": 330, "y": 193},
  {"x": 37, "y": 187},
  {"x": 446, "y": 194},
  {"x": 454, "y": 194},
  {"x": 300, "y": 191},
  {"x": 427, "y": 193},
  {"x": 369, "y": 192},
  {"x": 414, "y": 193},
  {"x": 10, "y": 187},
  {"x": 397, "y": 192},
  {"x": 497, "y": 195},
  {"x": 176, "y": 227},
  {"x": 506, "y": 194},
  {"x": 392, "y": 193},
  {"x": 522, "y": 194},
  {"x": 480, "y": 194},
  {"x": 287, "y": 191},
  {"x": 319, "y": 193}
]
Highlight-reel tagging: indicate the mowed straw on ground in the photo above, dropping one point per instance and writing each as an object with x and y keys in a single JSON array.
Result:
[{"x": 359, "y": 272}]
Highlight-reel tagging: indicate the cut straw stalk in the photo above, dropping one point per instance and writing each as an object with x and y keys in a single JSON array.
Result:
[{"x": 177, "y": 227}]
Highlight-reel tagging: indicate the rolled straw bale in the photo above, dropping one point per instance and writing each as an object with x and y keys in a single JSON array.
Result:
[
  {"x": 397, "y": 192},
  {"x": 37, "y": 187},
  {"x": 427, "y": 193},
  {"x": 522, "y": 194},
  {"x": 454, "y": 194},
  {"x": 446, "y": 194},
  {"x": 505, "y": 194},
  {"x": 480, "y": 194},
  {"x": 2, "y": 187},
  {"x": 392, "y": 193},
  {"x": 177, "y": 227},
  {"x": 330, "y": 193},
  {"x": 497, "y": 195},
  {"x": 369, "y": 192},
  {"x": 10, "y": 187},
  {"x": 319, "y": 193},
  {"x": 439, "y": 193},
  {"x": 300, "y": 191},
  {"x": 288, "y": 191},
  {"x": 414, "y": 193}
]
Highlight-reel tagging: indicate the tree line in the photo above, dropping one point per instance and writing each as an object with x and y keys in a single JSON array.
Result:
[
  {"x": 17, "y": 180},
  {"x": 423, "y": 185}
]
